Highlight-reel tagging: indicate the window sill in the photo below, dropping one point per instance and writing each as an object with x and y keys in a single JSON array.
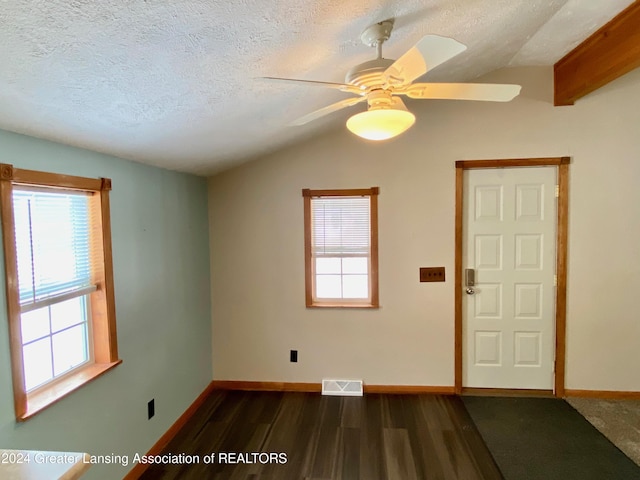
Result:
[
  {"x": 36, "y": 402},
  {"x": 342, "y": 305}
]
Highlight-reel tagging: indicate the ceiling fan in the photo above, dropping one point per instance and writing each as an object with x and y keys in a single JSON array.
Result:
[{"x": 379, "y": 82}]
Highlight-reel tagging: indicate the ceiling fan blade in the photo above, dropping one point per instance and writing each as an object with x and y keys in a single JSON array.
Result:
[
  {"x": 488, "y": 92},
  {"x": 327, "y": 110},
  {"x": 344, "y": 87},
  {"x": 427, "y": 54}
]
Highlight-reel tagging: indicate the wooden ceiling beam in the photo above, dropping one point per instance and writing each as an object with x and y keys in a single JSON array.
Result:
[{"x": 606, "y": 55}]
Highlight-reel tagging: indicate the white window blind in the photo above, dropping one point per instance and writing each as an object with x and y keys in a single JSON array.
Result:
[
  {"x": 340, "y": 226},
  {"x": 52, "y": 244}
]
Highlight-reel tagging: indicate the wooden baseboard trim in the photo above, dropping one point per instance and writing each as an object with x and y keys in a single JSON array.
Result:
[
  {"x": 409, "y": 389},
  {"x": 317, "y": 387},
  {"x": 266, "y": 386},
  {"x": 137, "y": 471},
  {"x": 612, "y": 394},
  {"x": 506, "y": 392}
]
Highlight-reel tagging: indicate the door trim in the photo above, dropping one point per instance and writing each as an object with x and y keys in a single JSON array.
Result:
[{"x": 561, "y": 258}]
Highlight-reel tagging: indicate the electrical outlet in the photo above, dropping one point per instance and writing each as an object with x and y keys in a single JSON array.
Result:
[
  {"x": 293, "y": 357},
  {"x": 432, "y": 274},
  {"x": 151, "y": 408}
]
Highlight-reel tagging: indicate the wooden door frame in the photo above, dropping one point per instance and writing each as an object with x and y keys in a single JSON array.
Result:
[{"x": 561, "y": 257}]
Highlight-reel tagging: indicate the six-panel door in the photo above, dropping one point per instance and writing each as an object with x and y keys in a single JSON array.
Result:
[{"x": 509, "y": 230}]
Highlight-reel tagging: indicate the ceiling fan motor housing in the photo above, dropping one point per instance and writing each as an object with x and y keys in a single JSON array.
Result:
[{"x": 368, "y": 74}]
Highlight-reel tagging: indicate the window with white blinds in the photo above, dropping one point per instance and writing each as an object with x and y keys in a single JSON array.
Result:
[
  {"x": 56, "y": 235},
  {"x": 341, "y": 247},
  {"x": 54, "y": 277},
  {"x": 52, "y": 244},
  {"x": 341, "y": 226}
]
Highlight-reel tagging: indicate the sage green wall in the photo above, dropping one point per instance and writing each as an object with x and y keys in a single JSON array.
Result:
[{"x": 161, "y": 271}]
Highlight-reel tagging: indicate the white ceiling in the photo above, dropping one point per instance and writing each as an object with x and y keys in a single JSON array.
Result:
[{"x": 173, "y": 83}]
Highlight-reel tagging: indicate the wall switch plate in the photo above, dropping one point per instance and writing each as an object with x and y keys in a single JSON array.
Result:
[
  {"x": 151, "y": 408},
  {"x": 432, "y": 274},
  {"x": 293, "y": 357}
]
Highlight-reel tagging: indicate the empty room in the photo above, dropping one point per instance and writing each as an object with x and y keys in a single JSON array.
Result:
[{"x": 320, "y": 240}]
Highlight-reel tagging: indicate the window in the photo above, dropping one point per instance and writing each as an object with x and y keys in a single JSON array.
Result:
[
  {"x": 61, "y": 310},
  {"x": 341, "y": 247}
]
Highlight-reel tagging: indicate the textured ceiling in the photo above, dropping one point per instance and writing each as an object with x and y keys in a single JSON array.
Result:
[{"x": 174, "y": 83}]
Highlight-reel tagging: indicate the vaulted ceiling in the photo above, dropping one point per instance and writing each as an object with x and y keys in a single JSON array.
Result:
[{"x": 175, "y": 83}]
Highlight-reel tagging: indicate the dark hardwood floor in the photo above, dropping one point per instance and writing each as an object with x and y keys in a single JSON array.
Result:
[{"x": 375, "y": 437}]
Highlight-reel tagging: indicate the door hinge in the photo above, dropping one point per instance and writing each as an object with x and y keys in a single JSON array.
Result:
[
  {"x": 557, "y": 191},
  {"x": 555, "y": 280}
]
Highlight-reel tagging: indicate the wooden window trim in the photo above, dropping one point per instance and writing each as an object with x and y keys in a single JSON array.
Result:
[
  {"x": 308, "y": 194},
  {"x": 103, "y": 317}
]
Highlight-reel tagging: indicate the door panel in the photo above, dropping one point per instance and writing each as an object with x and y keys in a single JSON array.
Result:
[{"x": 509, "y": 236}]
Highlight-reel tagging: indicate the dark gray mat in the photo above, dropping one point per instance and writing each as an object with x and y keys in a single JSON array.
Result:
[{"x": 546, "y": 439}]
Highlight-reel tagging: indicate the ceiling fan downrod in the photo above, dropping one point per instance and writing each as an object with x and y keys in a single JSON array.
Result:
[{"x": 379, "y": 49}]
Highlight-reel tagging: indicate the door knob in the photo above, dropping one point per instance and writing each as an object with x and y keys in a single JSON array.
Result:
[{"x": 470, "y": 291}]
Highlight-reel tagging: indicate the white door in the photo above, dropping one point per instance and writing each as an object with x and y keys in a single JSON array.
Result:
[{"x": 509, "y": 239}]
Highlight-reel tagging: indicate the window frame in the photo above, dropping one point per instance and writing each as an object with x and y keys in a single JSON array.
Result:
[
  {"x": 310, "y": 300},
  {"x": 102, "y": 300}
]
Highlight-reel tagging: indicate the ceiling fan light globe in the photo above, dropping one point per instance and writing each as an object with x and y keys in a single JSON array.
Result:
[{"x": 381, "y": 124}]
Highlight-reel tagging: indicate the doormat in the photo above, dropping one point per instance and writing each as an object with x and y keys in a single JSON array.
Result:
[{"x": 546, "y": 439}]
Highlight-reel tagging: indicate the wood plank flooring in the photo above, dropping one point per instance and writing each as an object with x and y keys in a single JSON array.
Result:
[{"x": 375, "y": 437}]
